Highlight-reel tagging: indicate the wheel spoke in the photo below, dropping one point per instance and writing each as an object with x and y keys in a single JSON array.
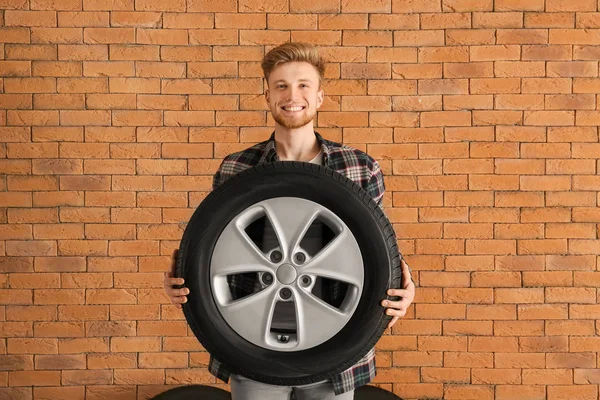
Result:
[
  {"x": 317, "y": 320},
  {"x": 236, "y": 253},
  {"x": 290, "y": 219},
  {"x": 340, "y": 260},
  {"x": 251, "y": 316}
]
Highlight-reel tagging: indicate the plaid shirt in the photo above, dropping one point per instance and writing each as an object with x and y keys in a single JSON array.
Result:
[{"x": 352, "y": 163}]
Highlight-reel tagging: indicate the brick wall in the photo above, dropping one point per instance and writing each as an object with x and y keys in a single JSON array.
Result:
[{"x": 114, "y": 115}]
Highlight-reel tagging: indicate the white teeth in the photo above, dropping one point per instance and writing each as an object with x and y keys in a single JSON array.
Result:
[{"x": 292, "y": 108}]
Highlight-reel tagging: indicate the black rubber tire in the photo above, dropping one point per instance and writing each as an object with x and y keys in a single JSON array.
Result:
[
  {"x": 370, "y": 392},
  {"x": 352, "y": 204},
  {"x": 194, "y": 392}
]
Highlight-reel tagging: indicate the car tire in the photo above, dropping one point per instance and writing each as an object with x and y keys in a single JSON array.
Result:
[
  {"x": 288, "y": 193},
  {"x": 369, "y": 392},
  {"x": 194, "y": 392}
]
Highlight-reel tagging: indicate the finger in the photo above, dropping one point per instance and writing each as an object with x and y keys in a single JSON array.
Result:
[
  {"x": 178, "y": 292},
  {"x": 178, "y": 299},
  {"x": 174, "y": 281},
  {"x": 406, "y": 275},
  {"x": 393, "y": 321},
  {"x": 396, "y": 313},
  {"x": 398, "y": 305},
  {"x": 398, "y": 292}
]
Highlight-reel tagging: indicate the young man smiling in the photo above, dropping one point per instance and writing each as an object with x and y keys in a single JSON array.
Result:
[{"x": 294, "y": 73}]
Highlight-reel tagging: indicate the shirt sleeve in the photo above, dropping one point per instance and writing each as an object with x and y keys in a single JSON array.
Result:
[
  {"x": 219, "y": 176},
  {"x": 376, "y": 185},
  {"x": 376, "y": 189}
]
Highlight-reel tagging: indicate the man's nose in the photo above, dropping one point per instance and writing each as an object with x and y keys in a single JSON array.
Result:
[{"x": 294, "y": 93}]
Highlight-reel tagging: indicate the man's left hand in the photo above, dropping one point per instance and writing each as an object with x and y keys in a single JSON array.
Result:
[{"x": 406, "y": 294}]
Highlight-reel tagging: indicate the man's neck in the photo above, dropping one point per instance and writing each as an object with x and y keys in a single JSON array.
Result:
[{"x": 296, "y": 144}]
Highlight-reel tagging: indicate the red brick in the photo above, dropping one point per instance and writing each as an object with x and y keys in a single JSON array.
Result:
[
  {"x": 59, "y": 393},
  {"x": 575, "y": 263},
  {"x": 496, "y": 376},
  {"x": 30, "y": 18},
  {"x": 587, "y": 392},
  {"x": 161, "y": 328},
  {"x": 135, "y": 344},
  {"x": 108, "y": 5},
  {"x": 520, "y": 328},
  {"x": 86, "y": 280},
  {"x": 149, "y": 5},
  {"x": 15, "y": 68},
  {"x": 163, "y": 360},
  {"x": 108, "y": 68},
  {"x": 112, "y": 264},
  {"x": 135, "y": 280},
  {"x": 459, "y": 359},
  {"x": 446, "y": 20},
  {"x": 137, "y": 312},
  {"x": 100, "y": 231},
  {"x": 172, "y": 20},
  {"x": 15, "y": 35},
  {"x": 87, "y": 377},
  {"x": 135, "y": 118},
  {"x": 494, "y": 53},
  {"x": 520, "y": 360},
  {"x": 30, "y": 313},
  {"x": 509, "y": 392},
  {"x": 570, "y": 327},
  {"x": 550, "y": 20},
  {"x": 110, "y": 328},
  {"x": 82, "y": 345},
  {"x": 470, "y": 37},
  {"x": 32, "y": 117},
  {"x": 325, "y": 21},
  {"x": 57, "y": 35},
  {"x": 133, "y": 247},
  {"x": 494, "y": 85},
  {"x": 109, "y": 361},
  {"x": 162, "y": 36},
  {"x": 83, "y": 19},
  {"x": 510, "y": 5},
  {"x": 498, "y": 20},
  {"x": 37, "y": 378},
  {"x": 547, "y": 376},
  {"x": 580, "y": 344},
  {"x": 30, "y": 52},
  {"x": 59, "y": 329},
  {"x": 14, "y": 5},
  {"x": 446, "y": 375},
  {"x": 82, "y": 52},
  {"x": 82, "y": 313},
  {"x": 128, "y": 52}
]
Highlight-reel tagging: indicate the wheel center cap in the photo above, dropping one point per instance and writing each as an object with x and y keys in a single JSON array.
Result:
[{"x": 286, "y": 274}]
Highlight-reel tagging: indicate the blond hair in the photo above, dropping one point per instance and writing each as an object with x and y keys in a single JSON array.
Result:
[{"x": 293, "y": 51}]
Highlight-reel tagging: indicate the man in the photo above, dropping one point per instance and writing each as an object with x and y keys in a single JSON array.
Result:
[{"x": 294, "y": 72}]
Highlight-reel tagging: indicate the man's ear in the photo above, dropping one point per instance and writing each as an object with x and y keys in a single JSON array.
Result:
[
  {"x": 267, "y": 96},
  {"x": 320, "y": 97}
]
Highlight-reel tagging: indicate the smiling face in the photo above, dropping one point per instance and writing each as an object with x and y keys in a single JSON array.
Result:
[{"x": 294, "y": 94}]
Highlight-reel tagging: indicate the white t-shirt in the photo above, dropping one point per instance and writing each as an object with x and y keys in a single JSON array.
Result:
[{"x": 318, "y": 158}]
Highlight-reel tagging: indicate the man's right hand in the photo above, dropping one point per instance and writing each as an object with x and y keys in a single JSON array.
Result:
[{"x": 177, "y": 296}]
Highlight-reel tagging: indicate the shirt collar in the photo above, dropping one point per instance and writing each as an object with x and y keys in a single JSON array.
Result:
[{"x": 270, "y": 154}]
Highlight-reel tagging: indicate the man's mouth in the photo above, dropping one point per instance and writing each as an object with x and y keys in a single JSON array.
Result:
[{"x": 292, "y": 108}]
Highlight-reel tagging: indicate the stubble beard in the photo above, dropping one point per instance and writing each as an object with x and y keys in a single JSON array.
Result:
[{"x": 293, "y": 122}]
